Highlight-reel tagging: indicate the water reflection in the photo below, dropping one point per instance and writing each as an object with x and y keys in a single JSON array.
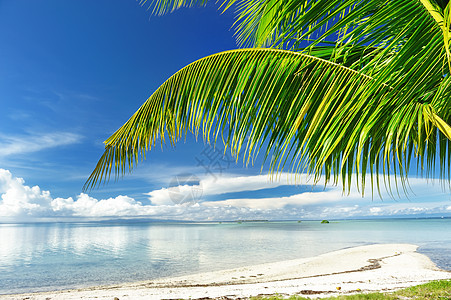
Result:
[
  {"x": 25, "y": 243},
  {"x": 35, "y": 257}
]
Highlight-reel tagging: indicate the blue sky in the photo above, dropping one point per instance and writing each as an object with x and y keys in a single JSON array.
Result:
[{"x": 74, "y": 71}]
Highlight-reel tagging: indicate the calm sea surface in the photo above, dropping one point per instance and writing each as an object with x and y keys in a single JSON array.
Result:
[{"x": 49, "y": 256}]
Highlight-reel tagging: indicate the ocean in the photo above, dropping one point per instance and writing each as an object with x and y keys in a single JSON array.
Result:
[{"x": 52, "y": 256}]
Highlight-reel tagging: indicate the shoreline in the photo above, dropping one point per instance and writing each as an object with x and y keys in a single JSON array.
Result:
[{"x": 379, "y": 267}]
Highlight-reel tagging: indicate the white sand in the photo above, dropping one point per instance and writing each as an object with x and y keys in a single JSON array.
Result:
[{"x": 363, "y": 269}]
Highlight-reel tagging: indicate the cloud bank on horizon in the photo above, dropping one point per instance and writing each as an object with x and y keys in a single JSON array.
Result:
[{"x": 20, "y": 202}]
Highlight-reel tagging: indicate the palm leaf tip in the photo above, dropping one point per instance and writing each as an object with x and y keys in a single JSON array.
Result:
[
  {"x": 304, "y": 111},
  {"x": 161, "y": 7}
]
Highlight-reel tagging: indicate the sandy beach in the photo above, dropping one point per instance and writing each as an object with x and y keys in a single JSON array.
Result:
[{"x": 382, "y": 267}]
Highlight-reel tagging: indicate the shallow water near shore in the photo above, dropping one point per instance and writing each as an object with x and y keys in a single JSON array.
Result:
[{"x": 52, "y": 256}]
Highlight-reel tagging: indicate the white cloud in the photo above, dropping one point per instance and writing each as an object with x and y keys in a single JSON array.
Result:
[
  {"x": 394, "y": 209},
  {"x": 18, "y": 199},
  {"x": 19, "y": 202},
  {"x": 11, "y": 145},
  {"x": 86, "y": 206},
  {"x": 227, "y": 184},
  {"x": 375, "y": 210},
  {"x": 307, "y": 198}
]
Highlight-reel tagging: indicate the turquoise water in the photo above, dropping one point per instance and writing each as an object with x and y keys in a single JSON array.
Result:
[{"x": 49, "y": 256}]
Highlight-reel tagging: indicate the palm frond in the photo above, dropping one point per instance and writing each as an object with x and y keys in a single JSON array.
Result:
[
  {"x": 315, "y": 114},
  {"x": 413, "y": 35},
  {"x": 161, "y": 7},
  {"x": 373, "y": 100}
]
